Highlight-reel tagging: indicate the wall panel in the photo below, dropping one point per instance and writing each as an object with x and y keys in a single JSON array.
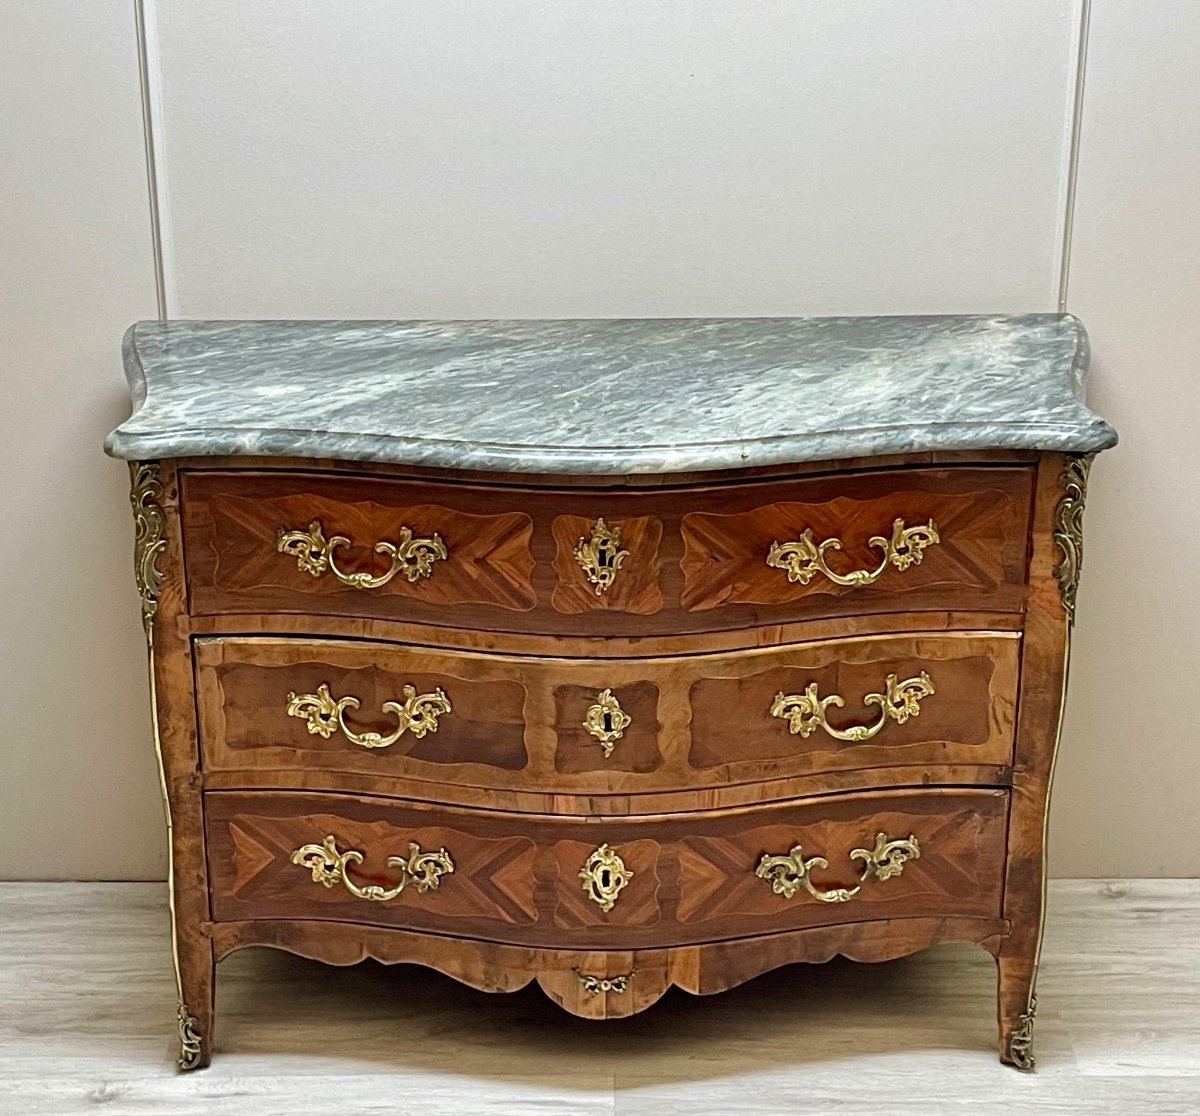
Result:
[
  {"x": 1130, "y": 773},
  {"x": 477, "y": 158},
  {"x": 78, "y": 789}
]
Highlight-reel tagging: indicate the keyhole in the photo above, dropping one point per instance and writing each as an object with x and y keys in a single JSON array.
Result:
[
  {"x": 608, "y": 722},
  {"x": 605, "y": 879},
  {"x": 604, "y": 557}
]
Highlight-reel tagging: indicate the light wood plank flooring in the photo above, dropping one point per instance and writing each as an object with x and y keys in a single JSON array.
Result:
[{"x": 87, "y": 1025}]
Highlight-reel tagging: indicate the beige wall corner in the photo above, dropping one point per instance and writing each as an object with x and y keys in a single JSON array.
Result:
[
  {"x": 79, "y": 793},
  {"x": 1129, "y": 777}
]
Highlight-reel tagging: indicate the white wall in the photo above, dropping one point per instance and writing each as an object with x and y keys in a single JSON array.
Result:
[
  {"x": 1129, "y": 798},
  {"x": 476, "y": 158},
  {"x": 637, "y": 157},
  {"x": 78, "y": 789}
]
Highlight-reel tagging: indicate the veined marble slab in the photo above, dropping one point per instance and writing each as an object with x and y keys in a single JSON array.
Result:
[{"x": 607, "y": 396}]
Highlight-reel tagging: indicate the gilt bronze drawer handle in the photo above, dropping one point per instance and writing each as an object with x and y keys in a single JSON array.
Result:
[
  {"x": 412, "y": 557},
  {"x": 418, "y": 714},
  {"x": 787, "y": 874},
  {"x": 601, "y": 555},
  {"x": 803, "y": 559},
  {"x": 604, "y": 875},
  {"x": 328, "y": 867},
  {"x": 607, "y": 721},
  {"x": 805, "y": 713}
]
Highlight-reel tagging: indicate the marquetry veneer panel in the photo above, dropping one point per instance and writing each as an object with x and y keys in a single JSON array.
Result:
[
  {"x": 693, "y": 877},
  {"x": 695, "y": 558},
  {"x": 515, "y": 722}
]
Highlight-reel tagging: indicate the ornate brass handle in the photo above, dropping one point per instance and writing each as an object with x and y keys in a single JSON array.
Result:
[
  {"x": 607, "y": 721},
  {"x": 410, "y": 556},
  {"x": 787, "y": 874},
  {"x": 805, "y": 713},
  {"x": 803, "y": 559},
  {"x": 601, "y": 555},
  {"x": 417, "y": 714},
  {"x": 328, "y": 867}
]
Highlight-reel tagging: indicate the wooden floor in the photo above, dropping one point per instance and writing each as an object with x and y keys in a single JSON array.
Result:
[{"x": 87, "y": 1024}]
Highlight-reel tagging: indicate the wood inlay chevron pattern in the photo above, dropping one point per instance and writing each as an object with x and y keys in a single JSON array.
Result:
[
  {"x": 492, "y": 878},
  {"x": 980, "y": 519},
  {"x": 697, "y": 559},
  {"x": 636, "y": 588},
  {"x": 958, "y": 871},
  {"x": 516, "y": 877},
  {"x": 236, "y": 566}
]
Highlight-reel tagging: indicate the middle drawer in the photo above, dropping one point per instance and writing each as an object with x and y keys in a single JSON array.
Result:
[{"x": 274, "y": 707}]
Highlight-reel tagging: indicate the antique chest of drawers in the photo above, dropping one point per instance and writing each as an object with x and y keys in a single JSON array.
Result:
[{"x": 609, "y": 655}]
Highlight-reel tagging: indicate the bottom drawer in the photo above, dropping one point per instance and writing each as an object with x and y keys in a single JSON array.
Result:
[{"x": 596, "y": 883}]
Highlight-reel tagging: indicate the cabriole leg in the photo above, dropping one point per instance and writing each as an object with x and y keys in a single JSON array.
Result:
[
  {"x": 159, "y": 575},
  {"x": 1017, "y": 1009},
  {"x": 195, "y": 1014}
]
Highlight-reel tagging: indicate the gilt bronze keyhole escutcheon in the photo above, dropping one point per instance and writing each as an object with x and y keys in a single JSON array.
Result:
[
  {"x": 606, "y": 721},
  {"x": 600, "y": 555},
  {"x": 604, "y": 875}
]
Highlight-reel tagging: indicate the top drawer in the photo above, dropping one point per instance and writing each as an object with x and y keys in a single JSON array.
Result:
[{"x": 618, "y": 561}]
